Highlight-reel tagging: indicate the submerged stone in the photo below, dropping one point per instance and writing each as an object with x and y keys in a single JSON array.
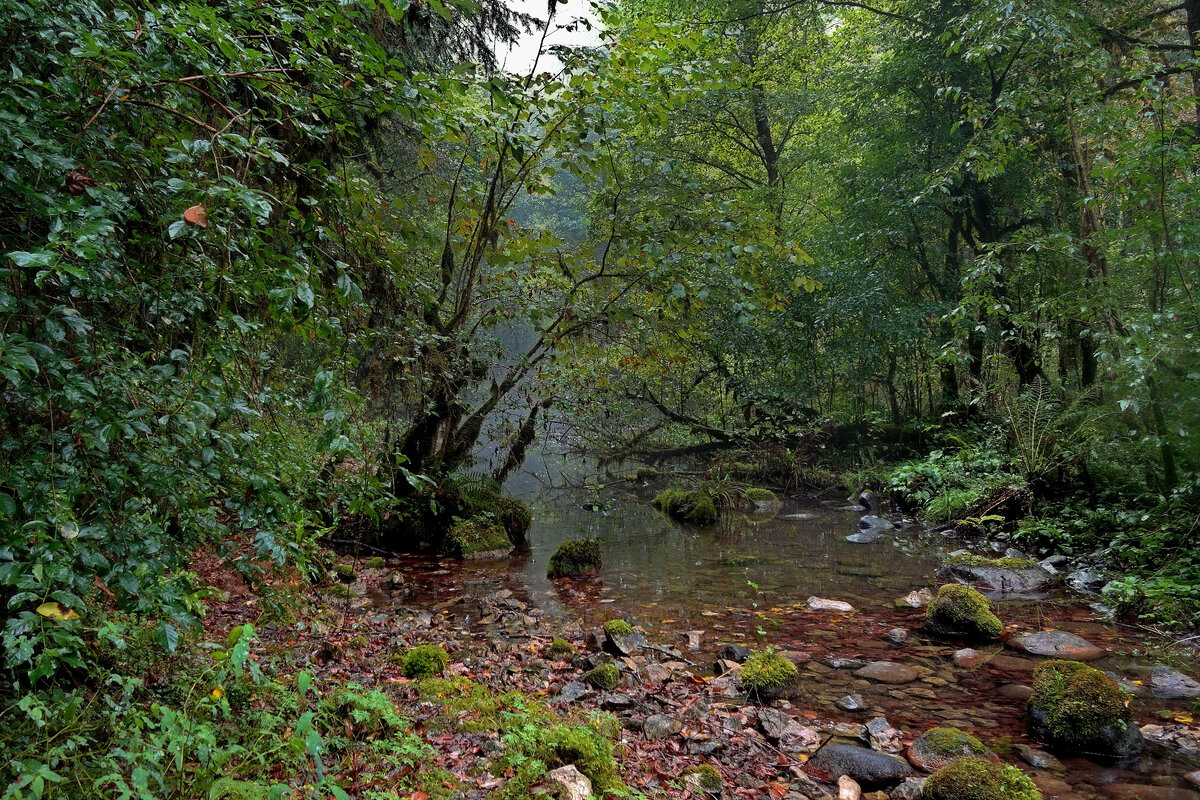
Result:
[
  {"x": 574, "y": 557},
  {"x": 1057, "y": 644},
  {"x": 821, "y": 604},
  {"x": 1171, "y": 684},
  {"x": 888, "y": 672}
]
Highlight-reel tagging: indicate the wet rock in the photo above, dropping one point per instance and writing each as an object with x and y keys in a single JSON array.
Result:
[
  {"x": 909, "y": 789},
  {"x": 617, "y": 702},
  {"x": 735, "y": 653},
  {"x": 845, "y": 663},
  {"x": 1057, "y": 644},
  {"x": 850, "y": 730},
  {"x": 621, "y": 639},
  {"x": 655, "y": 673},
  {"x": 1015, "y": 691},
  {"x": 896, "y": 636},
  {"x": 1013, "y": 552},
  {"x": 1129, "y": 791},
  {"x": 962, "y": 611},
  {"x": 918, "y": 598},
  {"x": 848, "y": 789},
  {"x": 889, "y": 672},
  {"x": 968, "y": 658},
  {"x": 768, "y": 676},
  {"x": 1039, "y": 759},
  {"x": 773, "y": 723},
  {"x": 821, "y": 604},
  {"x": 723, "y": 667},
  {"x": 568, "y": 783},
  {"x": 1084, "y": 580},
  {"x": 941, "y": 747},
  {"x": 866, "y": 537},
  {"x": 705, "y": 747},
  {"x": 870, "y": 769},
  {"x": 1049, "y": 785},
  {"x": 660, "y": 726},
  {"x": 1012, "y": 664},
  {"x": 1193, "y": 777},
  {"x": 800, "y": 516},
  {"x": 870, "y": 501},
  {"x": 1171, "y": 684},
  {"x": 874, "y": 524},
  {"x": 883, "y": 737},
  {"x": 575, "y": 690},
  {"x": 852, "y": 702},
  {"x": 1077, "y": 709},
  {"x": 1181, "y": 738},
  {"x": 998, "y": 574}
]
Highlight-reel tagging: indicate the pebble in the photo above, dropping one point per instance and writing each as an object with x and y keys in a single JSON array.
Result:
[
  {"x": 968, "y": 657},
  {"x": 918, "y": 598},
  {"x": 660, "y": 726},
  {"x": 1015, "y": 691},
  {"x": 1039, "y": 759},
  {"x": 848, "y": 789},
  {"x": 821, "y": 604},
  {"x": 852, "y": 702}
]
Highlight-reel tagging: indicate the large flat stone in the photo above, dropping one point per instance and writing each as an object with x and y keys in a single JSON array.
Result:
[
  {"x": 1171, "y": 684},
  {"x": 870, "y": 769},
  {"x": 888, "y": 672},
  {"x": 1057, "y": 644}
]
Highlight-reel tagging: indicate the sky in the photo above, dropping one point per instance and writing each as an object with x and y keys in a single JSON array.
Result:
[{"x": 520, "y": 57}]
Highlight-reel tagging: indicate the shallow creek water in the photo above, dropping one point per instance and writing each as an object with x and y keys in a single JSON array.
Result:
[{"x": 747, "y": 580}]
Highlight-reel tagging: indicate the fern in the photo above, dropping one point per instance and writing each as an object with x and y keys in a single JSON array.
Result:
[{"x": 1048, "y": 433}]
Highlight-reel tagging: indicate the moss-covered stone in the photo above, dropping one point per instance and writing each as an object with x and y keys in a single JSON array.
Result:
[
  {"x": 646, "y": 474},
  {"x": 345, "y": 573},
  {"x": 341, "y": 590},
  {"x": 618, "y": 627},
  {"x": 560, "y": 648},
  {"x": 939, "y": 747},
  {"x": 1078, "y": 709},
  {"x": 574, "y": 557},
  {"x": 976, "y": 779},
  {"x": 425, "y": 661},
  {"x": 605, "y": 676},
  {"x": 961, "y": 611},
  {"x": 972, "y": 560},
  {"x": 768, "y": 676},
  {"x": 704, "y": 777},
  {"x": 476, "y": 537},
  {"x": 759, "y": 495},
  {"x": 376, "y": 563},
  {"x": 511, "y": 515},
  {"x": 689, "y": 505}
]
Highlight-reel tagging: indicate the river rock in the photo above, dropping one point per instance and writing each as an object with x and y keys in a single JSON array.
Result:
[
  {"x": 1077, "y": 709},
  {"x": 875, "y": 524},
  {"x": 909, "y": 789},
  {"x": 839, "y": 662},
  {"x": 821, "y": 604},
  {"x": 1038, "y": 759},
  {"x": 1132, "y": 791},
  {"x": 1171, "y": 684},
  {"x": 1015, "y": 691},
  {"x": 883, "y": 736},
  {"x": 1001, "y": 575},
  {"x": 1084, "y": 580},
  {"x": 968, "y": 657},
  {"x": 1056, "y": 644},
  {"x": 848, "y": 789},
  {"x": 896, "y": 636},
  {"x": 917, "y": 598},
  {"x": 616, "y": 702},
  {"x": 655, "y": 673},
  {"x": 852, "y": 702},
  {"x": 866, "y": 537},
  {"x": 773, "y": 723},
  {"x": 624, "y": 644},
  {"x": 962, "y": 611},
  {"x": 575, "y": 690},
  {"x": 870, "y": 769},
  {"x": 660, "y": 726},
  {"x": 735, "y": 653},
  {"x": 940, "y": 747},
  {"x": 570, "y": 783},
  {"x": 889, "y": 672}
]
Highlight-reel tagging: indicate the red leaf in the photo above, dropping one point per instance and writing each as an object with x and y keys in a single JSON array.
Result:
[{"x": 777, "y": 790}]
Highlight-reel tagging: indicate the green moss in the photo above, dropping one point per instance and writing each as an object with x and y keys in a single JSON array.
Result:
[
  {"x": 704, "y": 776},
  {"x": 618, "y": 627},
  {"x": 671, "y": 500},
  {"x": 587, "y": 748},
  {"x": 756, "y": 495},
  {"x": 515, "y": 517},
  {"x": 574, "y": 557},
  {"x": 646, "y": 474},
  {"x": 766, "y": 675},
  {"x": 972, "y": 560},
  {"x": 605, "y": 676},
  {"x": 339, "y": 590},
  {"x": 961, "y": 610},
  {"x": 560, "y": 648},
  {"x": 475, "y": 536},
  {"x": 376, "y": 563},
  {"x": 704, "y": 509},
  {"x": 695, "y": 506},
  {"x": 345, "y": 573},
  {"x": 1073, "y": 703},
  {"x": 425, "y": 661},
  {"x": 976, "y": 779},
  {"x": 953, "y": 742}
]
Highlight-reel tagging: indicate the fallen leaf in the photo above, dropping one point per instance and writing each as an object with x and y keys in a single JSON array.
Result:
[{"x": 197, "y": 216}]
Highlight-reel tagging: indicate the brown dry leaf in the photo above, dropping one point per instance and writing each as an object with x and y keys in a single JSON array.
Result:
[{"x": 197, "y": 216}]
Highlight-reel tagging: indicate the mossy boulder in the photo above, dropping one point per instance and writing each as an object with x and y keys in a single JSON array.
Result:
[
  {"x": 998, "y": 574},
  {"x": 756, "y": 495},
  {"x": 646, "y": 474},
  {"x": 425, "y": 661},
  {"x": 477, "y": 538},
  {"x": 345, "y": 573},
  {"x": 621, "y": 638},
  {"x": 688, "y": 505},
  {"x": 768, "y": 676},
  {"x": 940, "y": 747},
  {"x": 560, "y": 648},
  {"x": 976, "y": 779},
  {"x": 961, "y": 611},
  {"x": 340, "y": 590},
  {"x": 1078, "y": 709},
  {"x": 574, "y": 557},
  {"x": 605, "y": 676},
  {"x": 511, "y": 515},
  {"x": 376, "y": 563}
]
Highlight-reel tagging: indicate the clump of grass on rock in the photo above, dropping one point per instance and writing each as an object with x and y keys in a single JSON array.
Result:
[
  {"x": 689, "y": 505},
  {"x": 425, "y": 661},
  {"x": 768, "y": 676},
  {"x": 605, "y": 676}
]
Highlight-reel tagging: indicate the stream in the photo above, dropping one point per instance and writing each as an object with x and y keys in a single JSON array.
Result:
[{"x": 747, "y": 580}]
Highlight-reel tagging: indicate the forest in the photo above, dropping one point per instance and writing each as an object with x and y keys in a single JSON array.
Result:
[{"x": 286, "y": 286}]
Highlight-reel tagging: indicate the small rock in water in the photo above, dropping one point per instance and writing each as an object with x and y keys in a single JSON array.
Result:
[
  {"x": 1013, "y": 552},
  {"x": 848, "y": 789},
  {"x": 1038, "y": 759},
  {"x": 852, "y": 702},
  {"x": 888, "y": 672},
  {"x": 1171, "y": 684},
  {"x": 883, "y": 736},
  {"x": 968, "y": 657},
  {"x": 896, "y": 635},
  {"x": 867, "y": 537},
  {"x": 1084, "y": 580},
  {"x": 870, "y": 769},
  {"x": 660, "y": 726},
  {"x": 734, "y": 652},
  {"x": 918, "y": 598},
  {"x": 570, "y": 782},
  {"x": 910, "y": 789},
  {"x": 821, "y": 604},
  {"x": 1058, "y": 644},
  {"x": 1015, "y": 691},
  {"x": 798, "y": 516},
  {"x": 845, "y": 663}
]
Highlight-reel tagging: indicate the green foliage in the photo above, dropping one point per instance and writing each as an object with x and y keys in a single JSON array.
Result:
[
  {"x": 765, "y": 675},
  {"x": 425, "y": 661},
  {"x": 977, "y": 779},
  {"x": 705, "y": 777},
  {"x": 574, "y": 557},
  {"x": 947, "y": 485},
  {"x": 962, "y": 611}
]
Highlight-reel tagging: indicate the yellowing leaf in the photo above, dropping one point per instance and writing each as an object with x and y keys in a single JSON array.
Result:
[
  {"x": 197, "y": 216},
  {"x": 56, "y": 610}
]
